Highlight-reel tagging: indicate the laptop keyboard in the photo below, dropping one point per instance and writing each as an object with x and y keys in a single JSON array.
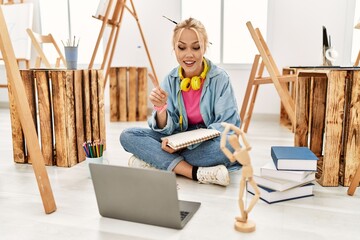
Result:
[{"x": 183, "y": 214}]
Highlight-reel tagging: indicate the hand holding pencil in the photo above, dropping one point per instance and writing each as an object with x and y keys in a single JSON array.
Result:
[{"x": 158, "y": 97}]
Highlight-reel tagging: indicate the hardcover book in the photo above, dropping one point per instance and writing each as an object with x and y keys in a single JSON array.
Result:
[
  {"x": 185, "y": 139},
  {"x": 280, "y": 184},
  {"x": 294, "y": 158},
  {"x": 271, "y": 196},
  {"x": 269, "y": 171}
]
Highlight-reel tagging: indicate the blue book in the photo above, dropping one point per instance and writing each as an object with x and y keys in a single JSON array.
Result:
[
  {"x": 272, "y": 196},
  {"x": 294, "y": 158}
]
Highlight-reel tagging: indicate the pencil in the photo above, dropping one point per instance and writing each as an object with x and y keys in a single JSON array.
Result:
[
  {"x": 90, "y": 149},
  {"x": 97, "y": 150},
  {"x": 101, "y": 149},
  {"x": 86, "y": 150}
]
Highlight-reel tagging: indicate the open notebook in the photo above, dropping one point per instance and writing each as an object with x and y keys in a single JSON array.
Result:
[{"x": 184, "y": 139}]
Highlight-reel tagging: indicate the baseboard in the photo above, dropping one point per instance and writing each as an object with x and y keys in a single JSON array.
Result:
[{"x": 268, "y": 116}]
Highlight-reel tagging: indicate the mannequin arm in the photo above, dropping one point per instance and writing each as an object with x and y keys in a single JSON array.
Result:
[{"x": 223, "y": 147}]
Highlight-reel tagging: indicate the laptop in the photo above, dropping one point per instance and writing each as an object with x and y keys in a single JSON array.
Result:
[{"x": 140, "y": 195}]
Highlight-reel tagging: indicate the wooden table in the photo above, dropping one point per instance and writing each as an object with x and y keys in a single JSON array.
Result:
[
  {"x": 328, "y": 120},
  {"x": 67, "y": 108}
]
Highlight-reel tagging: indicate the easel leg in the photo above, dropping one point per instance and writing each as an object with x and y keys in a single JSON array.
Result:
[{"x": 355, "y": 182}]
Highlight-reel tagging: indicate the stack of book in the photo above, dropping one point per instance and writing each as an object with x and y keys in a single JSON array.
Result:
[{"x": 288, "y": 176}]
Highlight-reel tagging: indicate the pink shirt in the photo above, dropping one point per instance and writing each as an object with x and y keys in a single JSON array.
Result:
[{"x": 192, "y": 104}]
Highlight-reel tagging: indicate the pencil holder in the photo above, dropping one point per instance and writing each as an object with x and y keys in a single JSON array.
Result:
[
  {"x": 97, "y": 160},
  {"x": 71, "y": 55}
]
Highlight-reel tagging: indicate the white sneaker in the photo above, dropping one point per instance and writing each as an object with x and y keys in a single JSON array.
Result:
[
  {"x": 138, "y": 163},
  {"x": 215, "y": 175}
]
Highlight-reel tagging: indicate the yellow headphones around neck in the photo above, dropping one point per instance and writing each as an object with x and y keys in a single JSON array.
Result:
[{"x": 195, "y": 82}]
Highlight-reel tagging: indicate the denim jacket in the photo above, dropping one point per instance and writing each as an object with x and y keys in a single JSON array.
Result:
[{"x": 217, "y": 102}]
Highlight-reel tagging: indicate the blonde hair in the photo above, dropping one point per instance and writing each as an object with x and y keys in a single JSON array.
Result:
[{"x": 197, "y": 27}]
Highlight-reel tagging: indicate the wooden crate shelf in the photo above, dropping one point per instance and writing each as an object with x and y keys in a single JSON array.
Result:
[
  {"x": 67, "y": 109},
  {"x": 128, "y": 94},
  {"x": 328, "y": 121}
]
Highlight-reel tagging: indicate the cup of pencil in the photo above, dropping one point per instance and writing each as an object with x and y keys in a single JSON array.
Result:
[
  {"x": 71, "y": 53},
  {"x": 94, "y": 152}
]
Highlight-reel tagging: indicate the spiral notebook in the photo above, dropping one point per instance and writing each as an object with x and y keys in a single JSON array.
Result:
[{"x": 184, "y": 139}]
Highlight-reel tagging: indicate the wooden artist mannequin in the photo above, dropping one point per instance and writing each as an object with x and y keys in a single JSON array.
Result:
[{"x": 241, "y": 154}]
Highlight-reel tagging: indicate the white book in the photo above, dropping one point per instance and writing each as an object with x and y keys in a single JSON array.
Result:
[
  {"x": 280, "y": 184},
  {"x": 184, "y": 139},
  {"x": 272, "y": 196},
  {"x": 269, "y": 171}
]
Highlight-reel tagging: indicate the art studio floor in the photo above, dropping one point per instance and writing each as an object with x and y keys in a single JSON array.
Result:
[{"x": 330, "y": 214}]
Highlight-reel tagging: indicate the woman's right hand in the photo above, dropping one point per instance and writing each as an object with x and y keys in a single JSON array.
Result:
[{"x": 158, "y": 97}]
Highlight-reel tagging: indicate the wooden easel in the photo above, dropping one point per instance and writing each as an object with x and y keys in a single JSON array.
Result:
[
  {"x": 115, "y": 22},
  {"x": 357, "y": 60},
  {"x": 280, "y": 81},
  {"x": 23, "y": 110}
]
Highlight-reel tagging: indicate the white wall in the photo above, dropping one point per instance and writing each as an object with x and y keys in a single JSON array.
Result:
[{"x": 295, "y": 38}]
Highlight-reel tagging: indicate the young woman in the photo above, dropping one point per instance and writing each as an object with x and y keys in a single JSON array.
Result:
[{"x": 196, "y": 94}]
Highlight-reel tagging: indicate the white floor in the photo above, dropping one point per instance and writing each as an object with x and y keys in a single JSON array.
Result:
[{"x": 330, "y": 214}]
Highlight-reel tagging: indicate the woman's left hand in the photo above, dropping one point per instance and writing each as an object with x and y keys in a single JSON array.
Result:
[{"x": 166, "y": 148}]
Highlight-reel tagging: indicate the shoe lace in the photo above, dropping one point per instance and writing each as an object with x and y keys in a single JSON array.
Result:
[{"x": 207, "y": 174}]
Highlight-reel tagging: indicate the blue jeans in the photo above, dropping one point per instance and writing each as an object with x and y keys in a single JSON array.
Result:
[{"x": 146, "y": 145}]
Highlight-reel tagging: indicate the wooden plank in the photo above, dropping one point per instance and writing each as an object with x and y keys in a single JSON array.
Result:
[
  {"x": 346, "y": 123},
  {"x": 18, "y": 139},
  {"x": 70, "y": 117},
  {"x": 60, "y": 125},
  {"x": 318, "y": 99},
  {"x": 318, "y": 96},
  {"x": 352, "y": 149},
  {"x": 79, "y": 116},
  {"x": 284, "y": 117},
  {"x": 87, "y": 105},
  {"x": 142, "y": 94},
  {"x": 94, "y": 106},
  {"x": 29, "y": 86},
  {"x": 132, "y": 94},
  {"x": 45, "y": 116},
  {"x": 101, "y": 89},
  {"x": 23, "y": 111},
  {"x": 114, "y": 99},
  {"x": 122, "y": 88},
  {"x": 245, "y": 113},
  {"x": 302, "y": 111},
  {"x": 333, "y": 128}
]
